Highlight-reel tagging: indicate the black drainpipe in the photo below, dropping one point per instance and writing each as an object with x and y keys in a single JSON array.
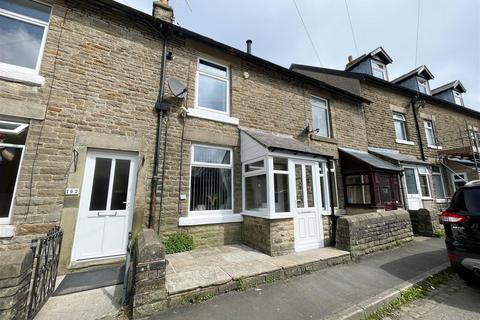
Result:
[
  {"x": 333, "y": 231},
  {"x": 414, "y": 101},
  {"x": 161, "y": 109}
]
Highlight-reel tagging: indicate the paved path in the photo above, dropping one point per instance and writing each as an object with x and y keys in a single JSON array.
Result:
[
  {"x": 324, "y": 293},
  {"x": 453, "y": 300}
]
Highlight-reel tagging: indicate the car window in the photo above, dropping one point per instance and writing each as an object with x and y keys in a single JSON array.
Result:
[{"x": 466, "y": 201}]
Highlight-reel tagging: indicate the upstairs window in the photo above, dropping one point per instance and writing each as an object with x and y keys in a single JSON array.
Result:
[
  {"x": 400, "y": 128},
  {"x": 23, "y": 31},
  {"x": 423, "y": 86},
  {"x": 379, "y": 70},
  {"x": 457, "y": 96},
  {"x": 212, "y": 86},
  {"x": 430, "y": 133},
  {"x": 320, "y": 117}
]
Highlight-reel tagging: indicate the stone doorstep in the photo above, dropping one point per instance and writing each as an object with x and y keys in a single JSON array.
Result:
[{"x": 196, "y": 285}]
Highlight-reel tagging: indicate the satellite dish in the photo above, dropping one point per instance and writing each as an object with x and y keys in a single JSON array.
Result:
[{"x": 178, "y": 89}]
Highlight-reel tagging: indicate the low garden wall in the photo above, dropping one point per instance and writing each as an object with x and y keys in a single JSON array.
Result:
[
  {"x": 367, "y": 233},
  {"x": 425, "y": 222},
  {"x": 273, "y": 237}
]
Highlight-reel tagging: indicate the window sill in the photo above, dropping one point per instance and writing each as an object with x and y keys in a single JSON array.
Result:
[
  {"x": 411, "y": 143},
  {"x": 7, "y": 231},
  {"x": 435, "y": 147},
  {"x": 441, "y": 200},
  {"x": 323, "y": 139},
  {"x": 264, "y": 215},
  {"x": 21, "y": 77},
  {"x": 210, "y": 219},
  {"x": 205, "y": 114}
]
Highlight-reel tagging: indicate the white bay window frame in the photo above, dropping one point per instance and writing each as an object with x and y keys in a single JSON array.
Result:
[{"x": 24, "y": 74}]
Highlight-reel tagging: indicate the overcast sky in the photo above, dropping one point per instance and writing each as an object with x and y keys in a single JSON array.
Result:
[{"x": 449, "y": 33}]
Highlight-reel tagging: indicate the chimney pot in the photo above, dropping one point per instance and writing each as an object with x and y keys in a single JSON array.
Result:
[
  {"x": 350, "y": 59},
  {"x": 163, "y": 11},
  {"x": 249, "y": 46}
]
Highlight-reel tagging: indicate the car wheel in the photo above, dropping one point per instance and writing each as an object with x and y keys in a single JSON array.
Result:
[{"x": 467, "y": 275}]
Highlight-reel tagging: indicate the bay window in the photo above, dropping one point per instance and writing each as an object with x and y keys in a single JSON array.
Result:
[
  {"x": 211, "y": 180},
  {"x": 358, "y": 189},
  {"x": 280, "y": 185},
  {"x": 255, "y": 184}
]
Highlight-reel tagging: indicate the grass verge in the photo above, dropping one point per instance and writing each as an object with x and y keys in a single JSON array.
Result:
[{"x": 416, "y": 292}]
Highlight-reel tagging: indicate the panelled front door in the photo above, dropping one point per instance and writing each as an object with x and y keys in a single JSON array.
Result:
[
  {"x": 307, "y": 219},
  {"x": 106, "y": 205},
  {"x": 414, "y": 197}
]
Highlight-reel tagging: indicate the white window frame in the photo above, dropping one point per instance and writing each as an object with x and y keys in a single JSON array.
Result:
[
  {"x": 226, "y": 80},
  {"x": 464, "y": 179},
  {"x": 259, "y": 172},
  {"x": 20, "y": 127},
  {"x": 323, "y": 166},
  {"x": 457, "y": 95},
  {"x": 424, "y": 84},
  {"x": 327, "y": 108},
  {"x": 28, "y": 75},
  {"x": 380, "y": 67},
  {"x": 423, "y": 171},
  {"x": 429, "y": 126},
  {"x": 210, "y": 216},
  {"x": 440, "y": 174},
  {"x": 400, "y": 117}
]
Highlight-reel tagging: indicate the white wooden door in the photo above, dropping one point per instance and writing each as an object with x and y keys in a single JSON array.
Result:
[
  {"x": 414, "y": 198},
  {"x": 106, "y": 205},
  {"x": 308, "y": 227}
]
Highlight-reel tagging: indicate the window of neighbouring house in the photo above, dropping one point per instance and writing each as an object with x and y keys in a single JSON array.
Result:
[
  {"x": 459, "y": 179},
  {"x": 320, "y": 117},
  {"x": 211, "y": 179},
  {"x": 12, "y": 144},
  {"x": 255, "y": 186},
  {"x": 23, "y": 31},
  {"x": 376, "y": 189},
  {"x": 281, "y": 187},
  {"x": 457, "y": 96},
  {"x": 423, "y": 86},
  {"x": 379, "y": 70},
  {"x": 400, "y": 127},
  {"x": 358, "y": 189},
  {"x": 212, "y": 86},
  {"x": 430, "y": 133},
  {"x": 437, "y": 181},
  {"x": 423, "y": 180}
]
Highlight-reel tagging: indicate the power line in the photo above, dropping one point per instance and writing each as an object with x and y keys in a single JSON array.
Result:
[
  {"x": 351, "y": 28},
  {"x": 188, "y": 5},
  {"x": 308, "y": 34},
  {"x": 418, "y": 28}
]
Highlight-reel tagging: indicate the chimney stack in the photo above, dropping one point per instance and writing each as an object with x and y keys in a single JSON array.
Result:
[
  {"x": 350, "y": 59},
  {"x": 249, "y": 46},
  {"x": 163, "y": 11}
]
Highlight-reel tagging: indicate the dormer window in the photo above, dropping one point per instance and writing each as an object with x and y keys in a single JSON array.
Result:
[
  {"x": 379, "y": 70},
  {"x": 457, "y": 97},
  {"x": 423, "y": 86}
]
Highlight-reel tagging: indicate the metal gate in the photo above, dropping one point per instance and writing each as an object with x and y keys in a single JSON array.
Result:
[{"x": 45, "y": 267}]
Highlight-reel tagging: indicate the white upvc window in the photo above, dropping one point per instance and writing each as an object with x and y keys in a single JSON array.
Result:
[
  {"x": 320, "y": 117},
  {"x": 325, "y": 187},
  {"x": 430, "y": 133},
  {"x": 213, "y": 87},
  {"x": 23, "y": 32},
  {"x": 400, "y": 127},
  {"x": 255, "y": 186},
  {"x": 211, "y": 180},
  {"x": 379, "y": 70},
  {"x": 459, "y": 179},
  {"x": 423, "y": 86},
  {"x": 438, "y": 185},
  {"x": 457, "y": 96},
  {"x": 424, "y": 182}
]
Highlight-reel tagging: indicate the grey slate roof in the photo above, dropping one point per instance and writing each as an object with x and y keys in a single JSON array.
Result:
[
  {"x": 370, "y": 159},
  {"x": 272, "y": 141},
  {"x": 395, "y": 155},
  {"x": 379, "y": 52},
  {"x": 422, "y": 70},
  {"x": 456, "y": 85}
]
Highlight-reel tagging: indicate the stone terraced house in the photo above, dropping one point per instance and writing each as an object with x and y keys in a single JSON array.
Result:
[{"x": 112, "y": 119}]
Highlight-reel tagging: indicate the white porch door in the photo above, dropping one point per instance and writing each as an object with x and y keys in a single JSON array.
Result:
[
  {"x": 412, "y": 183},
  {"x": 308, "y": 227},
  {"x": 106, "y": 205}
]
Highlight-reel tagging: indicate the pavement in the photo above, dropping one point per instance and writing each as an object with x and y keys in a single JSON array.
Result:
[
  {"x": 331, "y": 293},
  {"x": 452, "y": 300}
]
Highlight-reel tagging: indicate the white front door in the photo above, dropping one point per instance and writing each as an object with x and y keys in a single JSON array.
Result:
[
  {"x": 414, "y": 198},
  {"x": 308, "y": 227},
  {"x": 106, "y": 205}
]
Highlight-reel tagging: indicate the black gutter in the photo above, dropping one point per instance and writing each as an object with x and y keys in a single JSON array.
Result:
[
  {"x": 333, "y": 229},
  {"x": 413, "y": 102}
]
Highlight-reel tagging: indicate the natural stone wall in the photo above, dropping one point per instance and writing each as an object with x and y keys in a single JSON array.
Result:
[
  {"x": 366, "y": 233},
  {"x": 149, "y": 294},
  {"x": 273, "y": 237},
  {"x": 425, "y": 222},
  {"x": 215, "y": 235},
  {"x": 15, "y": 275},
  {"x": 327, "y": 229}
]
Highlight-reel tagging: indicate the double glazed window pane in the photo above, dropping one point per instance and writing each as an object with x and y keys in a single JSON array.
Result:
[
  {"x": 400, "y": 131},
  {"x": 27, "y": 8},
  {"x": 101, "y": 180},
  {"x": 282, "y": 202},
  {"x": 211, "y": 155},
  {"x": 320, "y": 117},
  {"x": 211, "y": 189},
  {"x": 438, "y": 185},
  {"x": 429, "y": 132},
  {"x": 256, "y": 193},
  {"x": 212, "y": 93},
  {"x": 120, "y": 185},
  {"x": 411, "y": 182},
  {"x": 424, "y": 186},
  {"x": 358, "y": 194},
  {"x": 20, "y": 42}
]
